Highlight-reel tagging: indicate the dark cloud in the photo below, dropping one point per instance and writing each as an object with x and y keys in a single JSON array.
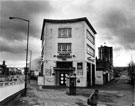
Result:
[
  {"x": 15, "y": 47},
  {"x": 114, "y": 22},
  {"x": 14, "y": 52},
  {"x": 24, "y": 9},
  {"x": 121, "y": 26},
  {"x": 13, "y": 33}
]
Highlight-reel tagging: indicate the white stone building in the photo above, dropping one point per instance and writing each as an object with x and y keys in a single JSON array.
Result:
[{"x": 68, "y": 47}]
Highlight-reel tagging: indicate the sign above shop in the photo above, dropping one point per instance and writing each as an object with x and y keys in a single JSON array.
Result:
[
  {"x": 91, "y": 59},
  {"x": 64, "y": 56}
]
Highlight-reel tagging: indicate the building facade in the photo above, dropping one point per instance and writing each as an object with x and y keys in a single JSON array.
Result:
[
  {"x": 104, "y": 65},
  {"x": 68, "y": 48},
  {"x": 4, "y": 70},
  {"x": 106, "y": 54}
]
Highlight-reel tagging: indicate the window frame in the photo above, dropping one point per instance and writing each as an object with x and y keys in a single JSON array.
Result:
[
  {"x": 90, "y": 37},
  {"x": 64, "y": 47},
  {"x": 91, "y": 51},
  {"x": 67, "y": 32}
]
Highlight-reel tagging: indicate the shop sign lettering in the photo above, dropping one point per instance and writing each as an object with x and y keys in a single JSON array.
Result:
[{"x": 89, "y": 58}]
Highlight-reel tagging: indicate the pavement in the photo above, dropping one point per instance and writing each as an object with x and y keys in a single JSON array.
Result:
[
  {"x": 53, "y": 97},
  {"x": 112, "y": 96}
]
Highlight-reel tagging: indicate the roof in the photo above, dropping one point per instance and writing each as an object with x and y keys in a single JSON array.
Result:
[{"x": 67, "y": 21}]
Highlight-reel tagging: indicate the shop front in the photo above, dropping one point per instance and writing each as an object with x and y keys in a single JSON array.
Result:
[{"x": 62, "y": 70}]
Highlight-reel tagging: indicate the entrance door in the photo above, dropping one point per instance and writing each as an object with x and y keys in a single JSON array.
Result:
[
  {"x": 88, "y": 75},
  {"x": 93, "y": 74},
  {"x": 63, "y": 78}
]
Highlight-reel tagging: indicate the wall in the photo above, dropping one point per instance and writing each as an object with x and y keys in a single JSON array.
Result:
[
  {"x": 52, "y": 40},
  {"x": 51, "y": 48},
  {"x": 99, "y": 77},
  {"x": 79, "y": 49},
  {"x": 48, "y": 71},
  {"x": 81, "y": 75},
  {"x": 6, "y": 91},
  {"x": 89, "y": 58}
]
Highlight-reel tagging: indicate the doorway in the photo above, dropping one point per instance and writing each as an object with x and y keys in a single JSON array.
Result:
[
  {"x": 88, "y": 74},
  {"x": 63, "y": 79},
  {"x": 93, "y": 74},
  {"x": 62, "y": 70},
  {"x": 61, "y": 76}
]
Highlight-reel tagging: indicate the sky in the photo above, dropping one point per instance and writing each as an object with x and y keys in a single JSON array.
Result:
[{"x": 113, "y": 20}]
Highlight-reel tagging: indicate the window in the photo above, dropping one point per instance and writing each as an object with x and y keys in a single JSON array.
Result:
[
  {"x": 64, "y": 32},
  {"x": 90, "y": 37},
  {"x": 64, "y": 47},
  {"x": 90, "y": 50},
  {"x": 80, "y": 66}
]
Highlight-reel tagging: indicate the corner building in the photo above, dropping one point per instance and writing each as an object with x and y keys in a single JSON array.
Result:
[{"x": 68, "y": 47}]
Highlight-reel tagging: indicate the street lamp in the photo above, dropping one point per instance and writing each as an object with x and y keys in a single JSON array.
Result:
[
  {"x": 30, "y": 51},
  {"x": 30, "y": 59},
  {"x": 26, "y": 50},
  {"x": 29, "y": 72}
]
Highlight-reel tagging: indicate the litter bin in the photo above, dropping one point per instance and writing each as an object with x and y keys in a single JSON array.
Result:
[{"x": 71, "y": 85}]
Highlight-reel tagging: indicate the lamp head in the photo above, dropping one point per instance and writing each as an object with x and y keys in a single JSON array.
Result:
[{"x": 11, "y": 17}]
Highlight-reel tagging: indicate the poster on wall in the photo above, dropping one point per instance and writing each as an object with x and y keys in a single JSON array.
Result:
[
  {"x": 80, "y": 72},
  {"x": 49, "y": 80},
  {"x": 48, "y": 72},
  {"x": 79, "y": 80},
  {"x": 80, "y": 69}
]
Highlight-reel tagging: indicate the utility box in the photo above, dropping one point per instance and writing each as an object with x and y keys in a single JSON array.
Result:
[
  {"x": 71, "y": 85},
  {"x": 40, "y": 81}
]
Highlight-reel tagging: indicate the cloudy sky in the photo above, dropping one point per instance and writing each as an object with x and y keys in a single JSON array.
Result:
[{"x": 114, "y": 21}]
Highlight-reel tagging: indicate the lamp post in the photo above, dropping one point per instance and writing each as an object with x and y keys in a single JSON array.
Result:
[
  {"x": 26, "y": 70},
  {"x": 29, "y": 72},
  {"x": 30, "y": 59}
]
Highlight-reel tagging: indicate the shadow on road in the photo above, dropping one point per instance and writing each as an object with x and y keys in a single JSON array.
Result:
[{"x": 80, "y": 104}]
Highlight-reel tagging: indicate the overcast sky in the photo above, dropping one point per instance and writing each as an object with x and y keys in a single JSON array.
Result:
[{"x": 113, "y": 20}]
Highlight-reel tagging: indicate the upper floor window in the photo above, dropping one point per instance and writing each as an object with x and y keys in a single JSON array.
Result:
[
  {"x": 90, "y": 50},
  {"x": 64, "y": 32},
  {"x": 90, "y": 37},
  {"x": 64, "y": 47}
]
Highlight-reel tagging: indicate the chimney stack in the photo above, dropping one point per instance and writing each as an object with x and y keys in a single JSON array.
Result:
[{"x": 4, "y": 63}]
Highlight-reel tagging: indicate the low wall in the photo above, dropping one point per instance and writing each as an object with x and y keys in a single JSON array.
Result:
[
  {"x": 99, "y": 77},
  {"x": 8, "y": 89}
]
